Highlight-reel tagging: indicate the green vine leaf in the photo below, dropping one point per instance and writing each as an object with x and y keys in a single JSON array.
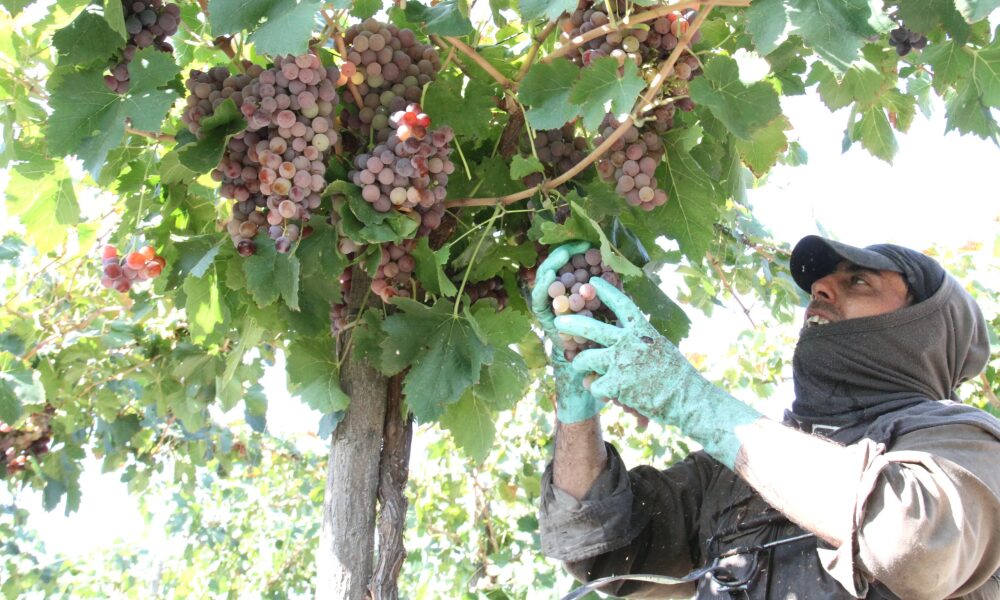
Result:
[
  {"x": 743, "y": 109},
  {"x": 271, "y": 274},
  {"x": 430, "y": 269},
  {"x": 313, "y": 374},
  {"x": 448, "y": 17},
  {"x": 88, "y": 40},
  {"x": 445, "y": 353},
  {"x": 694, "y": 204},
  {"x": 546, "y": 88},
  {"x": 601, "y": 85},
  {"x": 204, "y": 154}
]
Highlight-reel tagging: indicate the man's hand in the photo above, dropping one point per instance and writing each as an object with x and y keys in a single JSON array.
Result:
[
  {"x": 641, "y": 369},
  {"x": 573, "y": 402}
]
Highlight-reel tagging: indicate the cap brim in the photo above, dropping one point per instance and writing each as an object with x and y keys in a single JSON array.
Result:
[{"x": 815, "y": 257}]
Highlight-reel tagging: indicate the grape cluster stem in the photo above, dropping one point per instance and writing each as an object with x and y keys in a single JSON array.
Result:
[
  {"x": 223, "y": 42},
  {"x": 642, "y": 104},
  {"x": 476, "y": 58},
  {"x": 535, "y": 47},
  {"x": 338, "y": 41}
]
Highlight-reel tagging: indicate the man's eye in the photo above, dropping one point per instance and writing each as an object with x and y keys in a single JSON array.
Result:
[{"x": 858, "y": 280}]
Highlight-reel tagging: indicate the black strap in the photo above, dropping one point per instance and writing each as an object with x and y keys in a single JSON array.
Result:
[{"x": 692, "y": 576}]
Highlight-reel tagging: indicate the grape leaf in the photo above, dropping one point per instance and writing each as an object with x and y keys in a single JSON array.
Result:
[
  {"x": 204, "y": 154},
  {"x": 470, "y": 422},
  {"x": 10, "y": 406},
  {"x": 546, "y": 88},
  {"x": 976, "y": 10},
  {"x": 445, "y": 353},
  {"x": 288, "y": 28},
  {"x": 114, "y": 14},
  {"x": 501, "y": 327},
  {"x": 600, "y": 84},
  {"x": 444, "y": 18},
  {"x": 205, "y": 310},
  {"x": 875, "y": 133},
  {"x": 834, "y": 29},
  {"x": 271, "y": 274},
  {"x": 464, "y": 110},
  {"x": 498, "y": 257},
  {"x": 234, "y": 16},
  {"x": 950, "y": 62},
  {"x": 430, "y": 269},
  {"x": 313, "y": 374},
  {"x": 986, "y": 73},
  {"x": 521, "y": 166},
  {"x": 172, "y": 171},
  {"x": 40, "y": 194},
  {"x": 743, "y": 109},
  {"x": 664, "y": 314},
  {"x": 87, "y": 40},
  {"x": 364, "y": 9},
  {"x": 550, "y": 9},
  {"x": 966, "y": 112},
  {"x": 206, "y": 261},
  {"x": 89, "y": 120},
  {"x": 14, "y": 7},
  {"x": 761, "y": 151},
  {"x": 693, "y": 207}
]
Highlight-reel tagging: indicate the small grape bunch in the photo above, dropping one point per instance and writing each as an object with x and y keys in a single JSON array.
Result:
[
  {"x": 489, "y": 288},
  {"x": 572, "y": 293},
  {"x": 339, "y": 315},
  {"x": 120, "y": 273},
  {"x": 904, "y": 40},
  {"x": 148, "y": 23},
  {"x": 631, "y": 165},
  {"x": 395, "y": 270}
]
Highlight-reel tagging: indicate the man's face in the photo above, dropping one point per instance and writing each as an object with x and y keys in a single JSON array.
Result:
[{"x": 852, "y": 292}]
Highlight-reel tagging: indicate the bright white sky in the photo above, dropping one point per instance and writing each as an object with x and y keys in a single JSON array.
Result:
[{"x": 941, "y": 190}]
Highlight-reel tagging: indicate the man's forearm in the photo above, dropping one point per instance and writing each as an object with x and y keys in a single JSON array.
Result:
[
  {"x": 580, "y": 456},
  {"x": 812, "y": 481}
]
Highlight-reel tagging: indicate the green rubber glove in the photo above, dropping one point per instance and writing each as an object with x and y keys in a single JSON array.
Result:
[
  {"x": 641, "y": 369},
  {"x": 573, "y": 402}
]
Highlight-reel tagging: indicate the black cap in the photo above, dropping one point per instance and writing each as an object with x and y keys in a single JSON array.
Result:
[{"x": 815, "y": 257}]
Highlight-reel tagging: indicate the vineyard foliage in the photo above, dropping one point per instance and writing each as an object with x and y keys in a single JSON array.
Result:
[{"x": 272, "y": 155}]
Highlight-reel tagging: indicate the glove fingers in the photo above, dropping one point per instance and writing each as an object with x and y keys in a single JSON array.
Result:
[
  {"x": 592, "y": 361},
  {"x": 604, "y": 387},
  {"x": 617, "y": 301},
  {"x": 561, "y": 255},
  {"x": 540, "y": 293},
  {"x": 602, "y": 333}
]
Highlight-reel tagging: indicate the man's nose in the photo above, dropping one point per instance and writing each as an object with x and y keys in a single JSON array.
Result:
[{"x": 824, "y": 289}]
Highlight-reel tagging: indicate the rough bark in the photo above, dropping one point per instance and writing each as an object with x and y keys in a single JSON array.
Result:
[
  {"x": 394, "y": 471},
  {"x": 345, "y": 556}
]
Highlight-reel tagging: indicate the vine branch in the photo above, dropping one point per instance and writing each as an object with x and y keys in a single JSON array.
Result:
[
  {"x": 535, "y": 47},
  {"x": 725, "y": 283},
  {"x": 988, "y": 390},
  {"x": 160, "y": 137},
  {"x": 477, "y": 58}
]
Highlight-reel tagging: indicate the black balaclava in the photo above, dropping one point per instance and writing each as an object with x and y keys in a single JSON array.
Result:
[{"x": 849, "y": 373}]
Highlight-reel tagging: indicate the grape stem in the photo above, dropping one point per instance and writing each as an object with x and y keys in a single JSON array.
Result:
[
  {"x": 223, "y": 42},
  {"x": 640, "y": 107},
  {"x": 476, "y": 58},
  {"x": 631, "y": 21},
  {"x": 475, "y": 252},
  {"x": 338, "y": 41},
  {"x": 160, "y": 137},
  {"x": 725, "y": 283},
  {"x": 535, "y": 47}
]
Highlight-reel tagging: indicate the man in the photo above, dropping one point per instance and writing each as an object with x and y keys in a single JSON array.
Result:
[{"x": 876, "y": 485}]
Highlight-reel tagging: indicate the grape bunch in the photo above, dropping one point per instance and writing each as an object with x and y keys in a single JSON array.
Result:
[
  {"x": 395, "y": 270},
  {"x": 410, "y": 170},
  {"x": 390, "y": 68},
  {"x": 904, "y": 40},
  {"x": 642, "y": 44},
  {"x": 121, "y": 272},
  {"x": 489, "y": 288},
  {"x": 274, "y": 170},
  {"x": 558, "y": 150},
  {"x": 572, "y": 293},
  {"x": 148, "y": 23},
  {"x": 631, "y": 164},
  {"x": 17, "y": 446}
]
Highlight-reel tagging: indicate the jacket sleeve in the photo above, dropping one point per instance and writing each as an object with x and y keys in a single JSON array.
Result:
[
  {"x": 927, "y": 517},
  {"x": 639, "y": 521}
]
